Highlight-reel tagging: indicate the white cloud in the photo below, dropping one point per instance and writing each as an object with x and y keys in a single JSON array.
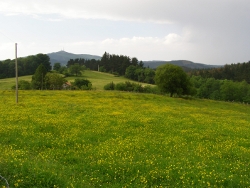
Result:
[{"x": 172, "y": 38}]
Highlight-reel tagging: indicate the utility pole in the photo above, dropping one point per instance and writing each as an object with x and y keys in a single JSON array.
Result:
[{"x": 16, "y": 74}]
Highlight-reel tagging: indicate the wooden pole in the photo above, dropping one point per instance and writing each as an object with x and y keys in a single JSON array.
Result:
[{"x": 16, "y": 74}]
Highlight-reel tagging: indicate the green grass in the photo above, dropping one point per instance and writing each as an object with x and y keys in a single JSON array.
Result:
[
  {"x": 98, "y": 79},
  {"x": 119, "y": 139},
  {"x": 7, "y": 83}
]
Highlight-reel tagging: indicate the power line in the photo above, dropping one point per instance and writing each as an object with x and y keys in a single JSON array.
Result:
[{"x": 6, "y": 36}]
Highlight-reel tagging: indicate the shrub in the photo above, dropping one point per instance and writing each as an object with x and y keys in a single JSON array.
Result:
[
  {"x": 109, "y": 86},
  {"x": 127, "y": 86},
  {"x": 151, "y": 89},
  {"x": 83, "y": 84},
  {"x": 135, "y": 87},
  {"x": 22, "y": 85},
  {"x": 138, "y": 88},
  {"x": 120, "y": 86}
]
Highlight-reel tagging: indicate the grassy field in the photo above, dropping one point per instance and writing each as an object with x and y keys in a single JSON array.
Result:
[
  {"x": 7, "y": 83},
  {"x": 98, "y": 79},
  {"x": 118, "y": 139}
]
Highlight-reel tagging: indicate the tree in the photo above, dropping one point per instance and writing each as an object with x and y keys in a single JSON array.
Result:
[
  {"x": 54, "y": 81},
  {"x": 38, "y": 79},
  {"x": 141, "y": 64},
  {"x": 57, "y": 66},
  {"x": 83, "y": 84},
  {"x": 210, "y": 89},
  {"x": 45, "y": 60},
  {"x": 172, "y": 79},
  {"x": 76, "y": 69},
  {"x": 130, "y": 72},
  {"x": 134, "y": 61},
  {"x": 149, "y": 75}
]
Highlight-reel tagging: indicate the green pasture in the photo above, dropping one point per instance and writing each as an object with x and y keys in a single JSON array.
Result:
[
  {"x": 119, "y": 139},
  {"x": 98, "y": 79},
  {"x": 7, "y": 83}
]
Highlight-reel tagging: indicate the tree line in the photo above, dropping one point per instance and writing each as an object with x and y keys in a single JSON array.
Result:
[
  {"x": 114, "y": 64},
  {"x": 26, "y": 65},
  {"x": 224, "y": 90},
  {"x": 236, "y": 72},
  {"x": 119, "y": 65},
  {"x": 228, "y": 83}
]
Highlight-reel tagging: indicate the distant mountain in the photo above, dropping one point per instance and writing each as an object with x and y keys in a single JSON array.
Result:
[
  {"x": 63, "y": 57},
  {"x": 186, "y": 65}
]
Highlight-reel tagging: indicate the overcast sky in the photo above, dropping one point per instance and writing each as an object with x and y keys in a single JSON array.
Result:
[{"x": 202, "y": 31}]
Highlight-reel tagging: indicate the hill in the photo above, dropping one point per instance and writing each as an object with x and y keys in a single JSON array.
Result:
[
  {"x": 98, "y": 79},
  {"x": 187, "y": 65},
  {"x": 63, "y": 57},
  {"x": 122, "y": 139}
]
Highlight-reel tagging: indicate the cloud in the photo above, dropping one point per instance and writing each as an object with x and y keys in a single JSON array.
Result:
[
  {"x": 172, "y": 38},
  {"x": 204, "y": 12},
  {"x": 144, "y": 48},
  {"x": 207, "y": 31}
]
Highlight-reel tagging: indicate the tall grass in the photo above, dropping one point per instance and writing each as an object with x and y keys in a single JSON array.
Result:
[{"x": 117, "y": 139}]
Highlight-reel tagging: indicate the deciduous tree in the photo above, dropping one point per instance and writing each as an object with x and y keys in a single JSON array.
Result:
[
  {"x": 172, "y": 79},
  {"x": 54, "y": 81},
  {"x": 57, "y": 66},
  {"x": 76, "y": 69}
]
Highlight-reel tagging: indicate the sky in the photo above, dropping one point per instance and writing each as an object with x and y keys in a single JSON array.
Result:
[{"x": 214, "y": 32}]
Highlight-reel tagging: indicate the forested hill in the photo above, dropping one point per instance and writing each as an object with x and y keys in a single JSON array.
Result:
[
  {"x": 186, "y": 65},
  {"x": 63, "y": 57},
  {"x": 236, "y": 72}
]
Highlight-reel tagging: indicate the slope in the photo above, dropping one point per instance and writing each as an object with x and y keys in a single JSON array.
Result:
[{"x": 98, "y": 79}]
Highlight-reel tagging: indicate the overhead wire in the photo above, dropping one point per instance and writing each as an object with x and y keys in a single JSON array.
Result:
[{"x": 7, "y": 36}]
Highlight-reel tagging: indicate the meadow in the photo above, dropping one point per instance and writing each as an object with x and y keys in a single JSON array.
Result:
[
  {"x": 7, "y": 83},
  {"x": 120, "y": 139},
  {"x": 98, "y": 79}
]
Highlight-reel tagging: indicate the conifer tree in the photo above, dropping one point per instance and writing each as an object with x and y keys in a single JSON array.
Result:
[{"x": 38, "y": 79}]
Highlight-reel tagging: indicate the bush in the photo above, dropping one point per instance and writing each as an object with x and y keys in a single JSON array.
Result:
[
  {"x": 128, "y": 86},
  {"x": 88, "y": 87},
  {"x": 138, "y": 88},
  {"x": 110, "y": 86},
  {"x": 120, "y": 86},
  {"x": 83, "y": 84},
  {"x": 22, "y": 85},
  {"x": 150, "y": 89}
]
